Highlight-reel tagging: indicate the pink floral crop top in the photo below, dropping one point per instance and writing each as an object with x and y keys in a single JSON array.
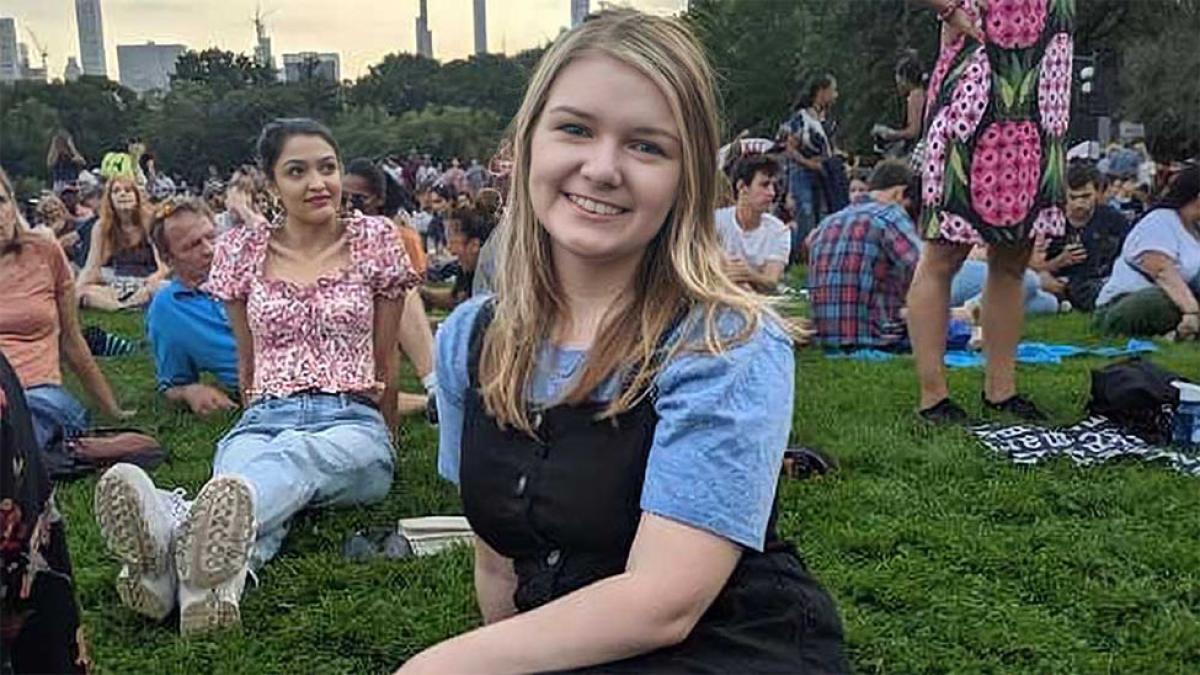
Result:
[{"x": 314, "y": 337}]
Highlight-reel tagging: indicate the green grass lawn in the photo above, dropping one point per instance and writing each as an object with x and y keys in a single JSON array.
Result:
[{"x": 941, "y": 556}]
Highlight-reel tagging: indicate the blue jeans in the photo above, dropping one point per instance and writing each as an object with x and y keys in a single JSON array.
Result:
[
  {"x": 801, "y": 185},
  {"x": 972, "y": 276},
  {"x": 305, "y": 450},
  {"x": 55, "y": 412}
]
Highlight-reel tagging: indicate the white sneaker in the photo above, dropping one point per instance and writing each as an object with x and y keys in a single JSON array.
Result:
[
  {"x": 138, "y": 523},
  {"x": 212, "y": 554}
]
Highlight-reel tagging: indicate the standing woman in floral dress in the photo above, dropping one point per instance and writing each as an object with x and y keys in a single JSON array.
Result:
[{"x": 997, "y": 111}]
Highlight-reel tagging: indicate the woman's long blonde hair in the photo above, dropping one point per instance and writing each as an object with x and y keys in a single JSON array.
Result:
[
  {"x": 111, "y": 236},
  {"x": 681, "y": 269}
]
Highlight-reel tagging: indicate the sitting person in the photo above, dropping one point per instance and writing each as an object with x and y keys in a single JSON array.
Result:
[
  {"x": 39, "y": 324},
  {"x": 52, "y": 214},
  {"x": 315, "y": 302},
  {"x": 187, "y": 328},
  {"x": 756, "y": 244},
  {"x": 1075, "y": 267},
  {"x": 618, "y": 454},
  {"x": 122, "y": 269},
  {"x": 862, "y": 261},
  {"x": 367, "y": 189},
  {"x": 468, "y": 231},
  {"x": 966, "y": 289},
  {"x": 1154, "y": 285}
]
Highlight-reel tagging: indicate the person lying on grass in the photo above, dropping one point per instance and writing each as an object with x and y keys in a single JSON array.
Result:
[
  {"x": 616, "y": 415},
  {"x": 314, "y": 301}
]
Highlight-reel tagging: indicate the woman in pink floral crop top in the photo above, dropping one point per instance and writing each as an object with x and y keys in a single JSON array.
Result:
[{"x": 315, "y": 302}]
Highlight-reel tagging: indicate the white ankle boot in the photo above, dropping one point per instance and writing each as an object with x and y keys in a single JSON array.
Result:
[
  {"x": 138, "y": 523},
  {"x": 212, "y": 555}
]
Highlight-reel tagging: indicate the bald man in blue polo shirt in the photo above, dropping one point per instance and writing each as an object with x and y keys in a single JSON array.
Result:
[{"x": 188, "y": 329}]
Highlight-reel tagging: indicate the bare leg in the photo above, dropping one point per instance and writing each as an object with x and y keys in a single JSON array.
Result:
[
  {"x": 928, "y": 314},
  {"x": 98, "y": 296},
  {"x": 1003, "y": 318},
  {"x": 416, "y": 338}
]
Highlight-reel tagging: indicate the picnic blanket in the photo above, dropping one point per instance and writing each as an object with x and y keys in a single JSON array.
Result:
[
  {"x": 1027, "y": 352},
  {"x": 1095, "y": 440}
]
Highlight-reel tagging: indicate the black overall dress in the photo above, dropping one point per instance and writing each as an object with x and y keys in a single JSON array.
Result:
[{"x": 565, "y": 509}]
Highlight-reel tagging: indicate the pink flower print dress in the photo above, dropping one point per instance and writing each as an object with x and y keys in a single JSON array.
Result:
[{"x": 994, "y": 163}]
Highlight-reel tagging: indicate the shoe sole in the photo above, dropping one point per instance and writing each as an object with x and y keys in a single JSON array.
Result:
[
  {"x": 216, "y": 538},
  {"x": 208, "y": 615},
  {"x": 137, "y": 597},
  {"x": 121, "y": 499}
]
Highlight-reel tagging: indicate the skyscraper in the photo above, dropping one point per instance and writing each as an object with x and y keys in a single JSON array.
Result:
[
  {"x": 424, "y": 36},
  {"x": 481, "y": 46},
  {"x": 579, "y": 11},
  {"x": 91, "y": 37},
  {"x": 10, "y": 57}
]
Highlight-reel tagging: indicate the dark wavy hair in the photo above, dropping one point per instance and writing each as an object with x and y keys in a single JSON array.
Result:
[
  {"x": 808, "y": 94},
  {"x": 1183, "y": 189}
]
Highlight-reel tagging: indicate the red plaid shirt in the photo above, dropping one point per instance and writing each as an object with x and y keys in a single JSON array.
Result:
[{"x": 860, "y": 266}]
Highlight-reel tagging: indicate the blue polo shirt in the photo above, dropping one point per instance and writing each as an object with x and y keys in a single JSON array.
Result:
[{"x": 189, "y": 334}]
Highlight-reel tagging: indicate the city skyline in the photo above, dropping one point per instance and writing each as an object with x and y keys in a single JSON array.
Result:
[{"x": 361, "y": 31}]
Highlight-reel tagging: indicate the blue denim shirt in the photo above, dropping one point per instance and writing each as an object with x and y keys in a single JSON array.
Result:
[
  {"x": 723, "y": 422},
  {"x": 189, "y": 333}
]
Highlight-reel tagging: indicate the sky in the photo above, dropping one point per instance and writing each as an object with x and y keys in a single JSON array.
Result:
[{"x": 361, "y": 31}]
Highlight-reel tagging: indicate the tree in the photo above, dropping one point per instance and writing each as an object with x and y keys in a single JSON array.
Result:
[
  {"x": 1160, "y": 90},
  {"x": 221, "y": 70},
  {"x": 765, "y": 51},
  {"x": 443, "y": 131},
  {"x": 100, "y": 115},
  {"x": 25, "y": 131},
  {"x": 402, "y": 82}
]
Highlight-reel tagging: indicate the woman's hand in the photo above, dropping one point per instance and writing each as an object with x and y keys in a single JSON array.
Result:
[
  {"x": 1189, "y": 327},
  {"x": 960, "y": 23},
  {"x": 140, "y": 297}
]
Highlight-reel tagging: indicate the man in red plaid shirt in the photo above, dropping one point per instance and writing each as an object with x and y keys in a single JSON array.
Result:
[{"x": 861, "y": 262}]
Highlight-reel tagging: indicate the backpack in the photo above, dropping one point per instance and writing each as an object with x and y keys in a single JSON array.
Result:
[{"x": 1138, "y": 396}]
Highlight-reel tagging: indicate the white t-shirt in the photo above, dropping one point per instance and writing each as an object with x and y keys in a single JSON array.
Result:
[
  {"x": 1161, "y": 231},
  {"x": 771, "y": 241}
]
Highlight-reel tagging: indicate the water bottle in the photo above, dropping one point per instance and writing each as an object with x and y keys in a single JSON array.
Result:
[{"x": 1185, "y": 427}]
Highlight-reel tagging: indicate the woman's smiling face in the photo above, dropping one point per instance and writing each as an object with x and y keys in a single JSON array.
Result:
[{"x": 605, "y": 160}]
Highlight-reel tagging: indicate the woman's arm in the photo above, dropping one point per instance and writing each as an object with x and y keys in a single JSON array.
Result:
[
  {"x": 245, "y": 347},
  {"x": 916, "y": 109},
  {"x": 79, "y": 357},
  {"x": 90, "y": 274},
  {"x": 1165, "y": 272},
  {"x": 386, "y": 340},
  {"x": 495, "y": 583},
  {"x": 674, "y": 573}
]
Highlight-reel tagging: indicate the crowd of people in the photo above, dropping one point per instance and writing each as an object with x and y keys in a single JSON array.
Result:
[{"x": 612, "y": 350}]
